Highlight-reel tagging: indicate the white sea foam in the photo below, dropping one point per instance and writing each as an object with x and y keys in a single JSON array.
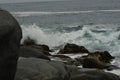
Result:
[
  {"x": 116, "y": 62},
  {"x": 41, "y": 37},
  {"x": 30, "y": 13},
  {"x": 116, "y": 10},
  {"x": 117, "y": 72},
  {"x": 46, "y": 13},
  {"x": 73, "y": 56},
  {"x": 106, "y": 40},
  {"x": 52, "y": 39}
]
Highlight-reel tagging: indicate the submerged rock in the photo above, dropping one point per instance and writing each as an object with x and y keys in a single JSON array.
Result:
[
  {"x": 39, "y": 69},
  {"x": 73, "y": 48}
]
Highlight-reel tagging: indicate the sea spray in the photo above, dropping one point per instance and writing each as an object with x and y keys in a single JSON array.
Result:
[
  {"x": 40, "y": 36},
  {"x": 93, "y": 37}
]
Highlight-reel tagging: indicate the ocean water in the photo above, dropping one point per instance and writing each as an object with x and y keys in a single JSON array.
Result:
[{"x": 94, "y": 24}]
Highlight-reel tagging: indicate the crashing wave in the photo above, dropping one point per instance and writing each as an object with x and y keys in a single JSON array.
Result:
[
  {"x": 37, "y": 13},
  {"x": 103, "y": 40}
]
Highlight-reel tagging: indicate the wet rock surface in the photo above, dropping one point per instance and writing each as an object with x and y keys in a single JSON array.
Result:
[
  {"x": 93, "y": 74},
  {"x": 39, "y": 66},
  {"x": 73, "y": 48},
  {"x": 40, "y": 69},
  {"x": 28, "y": 52}
]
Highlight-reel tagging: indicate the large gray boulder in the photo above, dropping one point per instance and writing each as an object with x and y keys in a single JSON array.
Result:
[
  {"x": 40, "y": 69},
  {"x": 10, "y": 36}
]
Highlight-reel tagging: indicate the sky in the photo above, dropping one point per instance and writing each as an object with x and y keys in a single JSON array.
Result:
[{"x": 17, "y": 1}]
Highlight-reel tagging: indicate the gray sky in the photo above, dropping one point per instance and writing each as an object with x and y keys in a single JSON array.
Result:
[{"x": 15, "y": 1}]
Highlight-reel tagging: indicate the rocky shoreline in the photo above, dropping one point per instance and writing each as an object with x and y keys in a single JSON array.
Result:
[{"x": 36, "y": 63}]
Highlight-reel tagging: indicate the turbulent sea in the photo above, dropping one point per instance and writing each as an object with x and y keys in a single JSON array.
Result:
[{"x": 94, "y": 24}]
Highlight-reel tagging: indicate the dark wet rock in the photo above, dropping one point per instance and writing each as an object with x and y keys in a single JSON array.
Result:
[
  {"x": 46, "y": 48},
  {"x": 43, "y": 48},
  {"x": 93, "y": 63},
  {"x": 28, "y": 52},
  {"x": 33, "y": 44},
  {"x": 29, "y": 41},
  {"x": 10, "y": 36},
  {"x": 39, "y": 69},
  {"x": 73, "y": 48},
  {"x": 106, "y": 57},
  {"x": 92, "y": 74},
  {"x": 99, "y": 60},
  {"x": 39, "y": 48},
  {"x": 102, "y": 56},
  {"x": 79, "y": 60}
]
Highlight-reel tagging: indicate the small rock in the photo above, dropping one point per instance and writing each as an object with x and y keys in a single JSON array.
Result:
[
  {"x": 28, "y": 52},
  {"x": 93, "y": 63},
  {"x": 73, "y": 48},
  {"x": 102, "y": 56}
]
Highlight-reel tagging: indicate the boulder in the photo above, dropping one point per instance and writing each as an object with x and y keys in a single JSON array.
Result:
[
  {"x": 33, "y": 43},
  {"x": 40, "y": 69},
  {"x": 105, "y": 56},
  {"x": 100, "y": 60},
  {"x": 73, "y": 48},
  {"x": 10, "y": 36},
  {"x": 93, "y": 63},
  {"x": 102, "y": 56},
  {"x": 27, "y": 52},
  {"x": 92, "y": 74},
  {"x": 42, "y": 48},
  {"x": 79, "y": 60}
]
